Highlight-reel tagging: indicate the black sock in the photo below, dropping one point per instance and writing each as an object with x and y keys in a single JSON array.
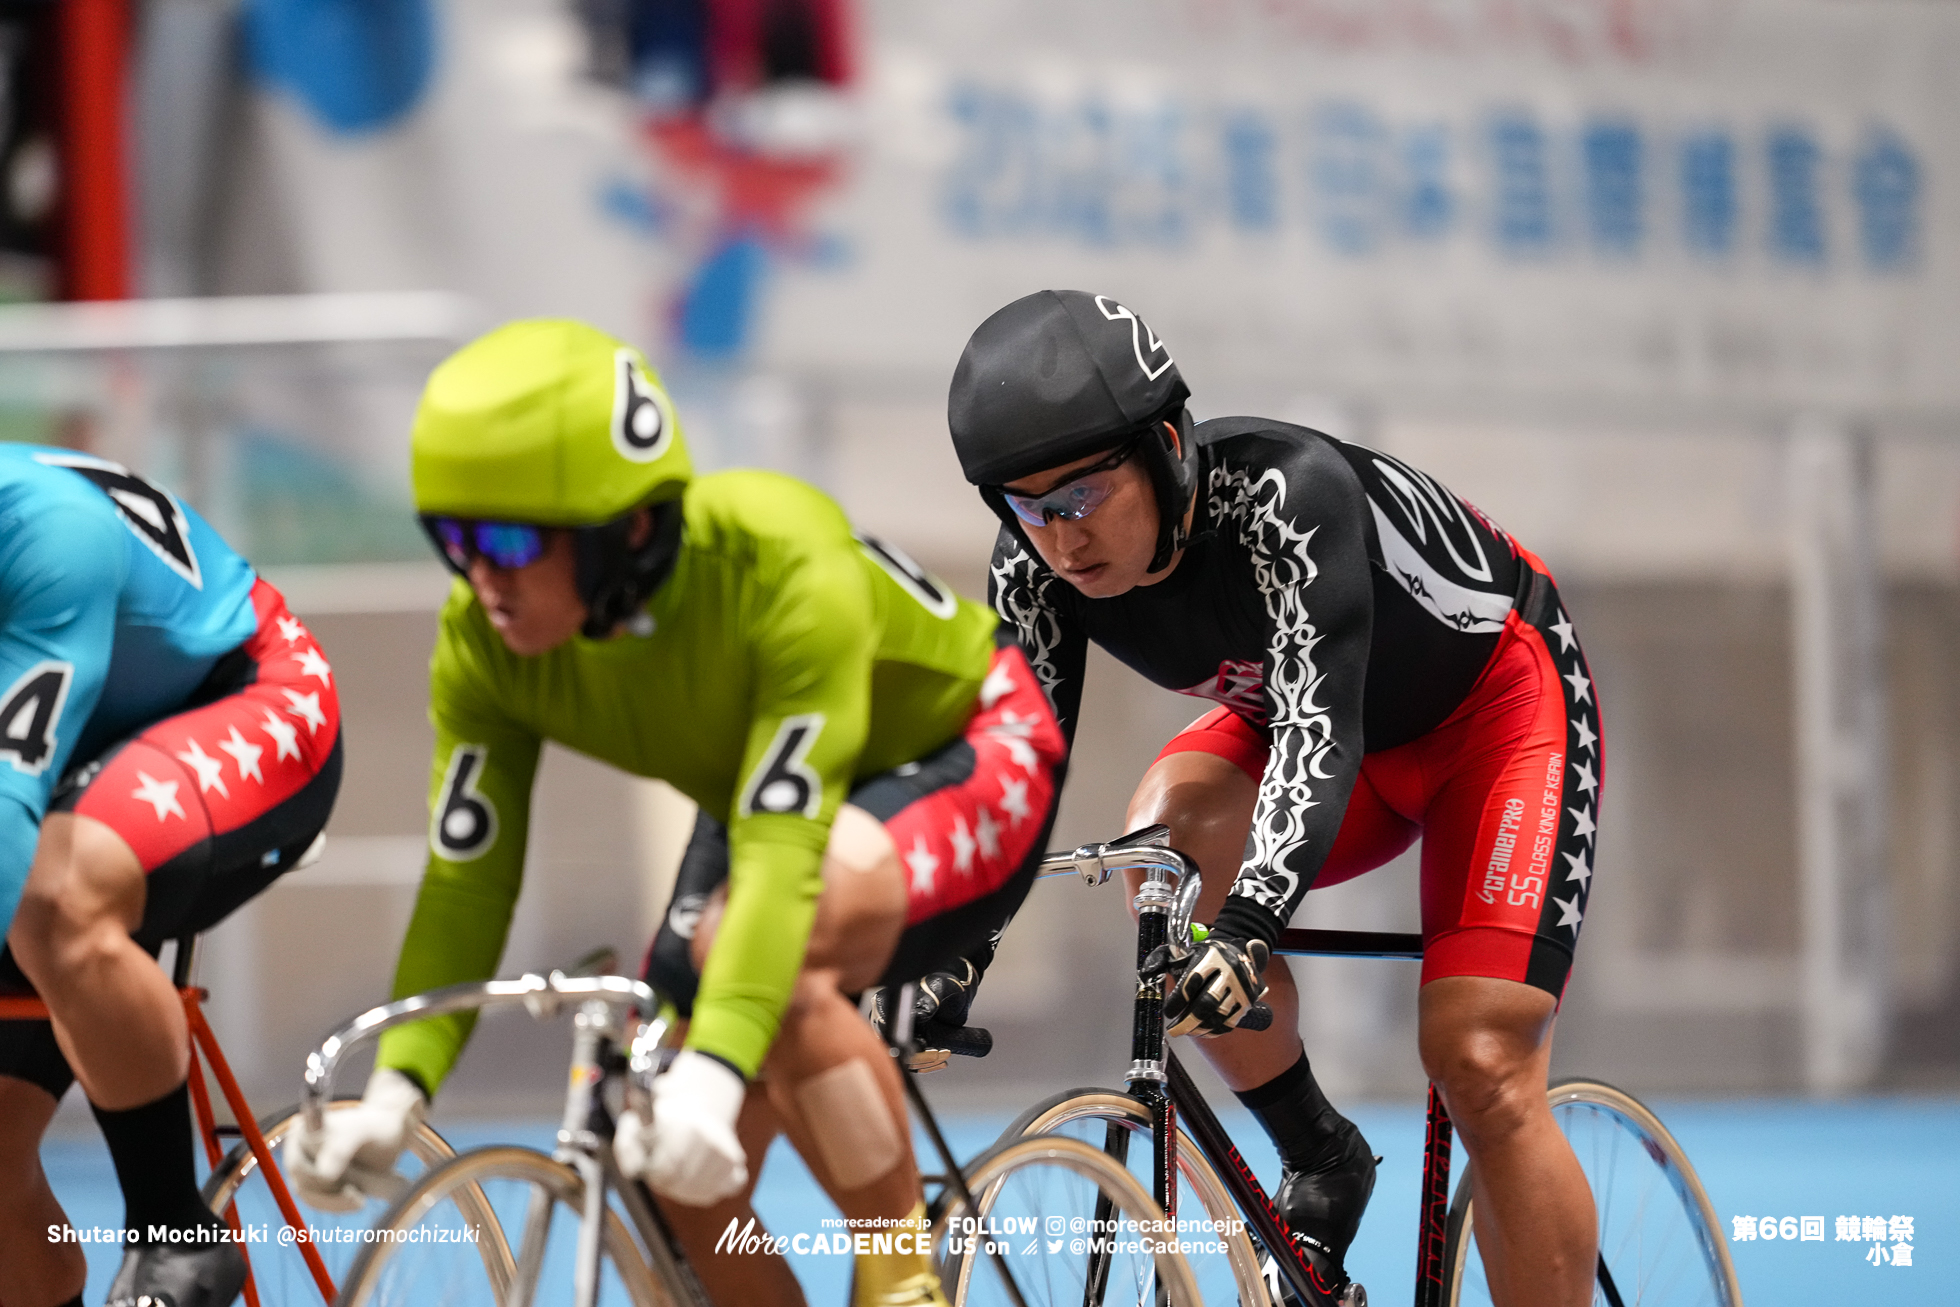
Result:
[
  {"x": 1297, "y": 1117},
  {"x": 151, "y": 1147}
]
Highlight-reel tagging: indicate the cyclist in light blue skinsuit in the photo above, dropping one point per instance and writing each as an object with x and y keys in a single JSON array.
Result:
[{"x": 169, "y": 744}]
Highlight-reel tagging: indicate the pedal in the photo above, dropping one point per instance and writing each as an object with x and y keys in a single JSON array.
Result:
[{"x": 1332, "y": 1291}]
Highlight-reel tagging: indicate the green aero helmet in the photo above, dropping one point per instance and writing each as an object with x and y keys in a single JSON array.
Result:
[
  {"x": 553, "y": 423},
  {"x": 546, "y": 421}
]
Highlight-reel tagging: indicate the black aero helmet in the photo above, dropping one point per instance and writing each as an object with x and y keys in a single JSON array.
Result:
[{"x": 1060, "y": 374}]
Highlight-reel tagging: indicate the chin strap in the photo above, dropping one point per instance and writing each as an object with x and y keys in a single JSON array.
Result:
[
  {"x": 1174, "y": 476},
  {"x": 614, "y": 578}
]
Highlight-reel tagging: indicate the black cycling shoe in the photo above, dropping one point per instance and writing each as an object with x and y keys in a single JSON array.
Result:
[
  {"x": 1325, "y": 1273},
  {"x": 179, "y": 1275},
  {"x": 1323, "y": 1210}
]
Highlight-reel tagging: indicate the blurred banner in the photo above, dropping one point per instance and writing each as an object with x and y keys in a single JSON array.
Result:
[
  {"x": 1730, "y": 202},
  {"x": 1668, "y": 286}
]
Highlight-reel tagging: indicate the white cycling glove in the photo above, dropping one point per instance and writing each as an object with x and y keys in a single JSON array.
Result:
[
  {"x": 1220, "y": 984},
  {"x": 689, "y": 1151},
  {"x": 352, "y": 1157}
]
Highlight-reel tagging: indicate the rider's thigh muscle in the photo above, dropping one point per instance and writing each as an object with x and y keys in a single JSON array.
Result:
[{"x": 860, "y": 913}]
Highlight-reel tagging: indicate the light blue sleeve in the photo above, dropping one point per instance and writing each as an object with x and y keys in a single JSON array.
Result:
[{"x": 60, "y": 574}]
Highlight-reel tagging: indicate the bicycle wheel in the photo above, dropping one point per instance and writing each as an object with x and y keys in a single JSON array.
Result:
[
  {"x": 279, "y": 1272},
  {"x": 1037, "y": 1197},
  {"x": 1659, "y": 1242},
  {"x": 1223, "y": 1260},
  {"x": 467, "y": 1231}
]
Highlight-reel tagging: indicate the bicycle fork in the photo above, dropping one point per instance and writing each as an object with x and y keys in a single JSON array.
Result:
[
  {"x": 1146, "y": 1080},
  {"x": 579, "y": 1147}
]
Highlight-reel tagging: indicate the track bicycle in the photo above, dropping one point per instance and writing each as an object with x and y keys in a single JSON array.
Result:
[
  {"x": 516, "y": 1227},
  {"x": 1659, "y": 1240},
  {"x": 290, "y": 1257}
]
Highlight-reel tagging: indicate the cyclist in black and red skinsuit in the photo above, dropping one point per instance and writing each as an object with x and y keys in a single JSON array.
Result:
[{"x": 1387, "y": 663}]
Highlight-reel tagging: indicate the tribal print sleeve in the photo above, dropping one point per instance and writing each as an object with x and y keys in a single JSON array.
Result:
[
  {"x": 1300, "y": 521},
  {"x": 1029, "y": 599}
]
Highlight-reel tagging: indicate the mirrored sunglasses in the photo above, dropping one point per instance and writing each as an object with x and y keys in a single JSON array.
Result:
[
  {"x": 506, "y": 545},
  {"x": 1076, "y": 497}
]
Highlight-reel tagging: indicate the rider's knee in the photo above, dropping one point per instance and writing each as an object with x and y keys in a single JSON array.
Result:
[
  {"x": 44, "y": 924},
  {"x": 1207, "y": 802},
  {"x": 1490, "y": 1085},
  {"x": 59, "y": 928},
  {"x": 815, "y": 991},
  {"x": 1193, "y": 792}
]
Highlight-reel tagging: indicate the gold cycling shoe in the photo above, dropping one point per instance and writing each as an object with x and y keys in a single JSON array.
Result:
[{"x": 921, "y": 1290}]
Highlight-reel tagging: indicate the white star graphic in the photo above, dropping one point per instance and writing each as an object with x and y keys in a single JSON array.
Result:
[
  {"x": 1014, "y": 801},
  {"x": 986, "y": 832},
  {"x": 1587, "y": 781},
  {"x": 1580, "y": 872},
  {"x": 307, "y": 708},
  {"x": 210, "y": 772},
  {"x": 245, "y": 754},
  {"x": 1020, "y": 751},
  {"x": 290, "y": 628},
  {"x": 998, "y": 685},
  {"x": 1582, "y": 821},
  {"x": 923, "y": 862},
  {"x": 161, "y": 795},
  {"x": 1012, "y": 723},
  {"x": 312, "y": 664},
  {"x": 1581, "y": 687},
  {"x": 284, "y": 733},
  {"x": 1584, "y": 727},
  {"x": 1568, "y": 912},
  {"x": 962, "y": 846},
  {"x": 1563, "y": 630}
]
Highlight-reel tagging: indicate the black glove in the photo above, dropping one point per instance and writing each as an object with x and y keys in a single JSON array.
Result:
[
  {"x": 1218, "y": 986},
  {"x": 939, "y": 1007}
]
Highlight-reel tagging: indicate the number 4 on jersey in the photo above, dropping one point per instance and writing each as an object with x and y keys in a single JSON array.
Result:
[{"x": 30, "y": 713}]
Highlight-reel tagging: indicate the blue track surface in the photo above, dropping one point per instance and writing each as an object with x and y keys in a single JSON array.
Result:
[{"x": 1761, "y": 1158}]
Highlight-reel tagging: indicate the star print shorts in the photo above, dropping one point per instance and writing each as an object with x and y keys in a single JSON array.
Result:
[
  {"x": 217, "y": 800},
  {"x": 1504, "y": 795},
  {"x": 221, "y": 798},
  {"x": 970, "y": 821}
]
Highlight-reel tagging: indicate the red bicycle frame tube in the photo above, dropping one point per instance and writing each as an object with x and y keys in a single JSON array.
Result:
[{"x": 29, "y": 1008}]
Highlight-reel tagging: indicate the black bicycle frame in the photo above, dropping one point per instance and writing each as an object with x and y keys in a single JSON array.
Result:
[{"x": 1180, "y": 1095}]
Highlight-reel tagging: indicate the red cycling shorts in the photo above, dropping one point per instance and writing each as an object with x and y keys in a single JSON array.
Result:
[
  {"x": 219, "y": 799},
  {"x": 1504, "y": 794},
  {"x": 971, "y": 820}
]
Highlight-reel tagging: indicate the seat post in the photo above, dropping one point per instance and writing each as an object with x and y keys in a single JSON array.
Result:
[{"x": 184, "y": 965}]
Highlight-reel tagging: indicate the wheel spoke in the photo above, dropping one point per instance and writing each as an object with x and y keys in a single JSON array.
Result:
[{"x": 1656, "y": 1244}]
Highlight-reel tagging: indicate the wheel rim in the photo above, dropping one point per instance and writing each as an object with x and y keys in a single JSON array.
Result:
[
  {"x": 1658, "y": 1240},
  {"x": 1023, "y": 1184},
  {"x": 279, "y": 1270},
  {"x": 446, "y": 1253},
  {"x": 1229, "y": 1273}
]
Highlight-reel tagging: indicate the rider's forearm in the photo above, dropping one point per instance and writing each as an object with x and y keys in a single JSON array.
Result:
[
  {"x": 758, "y": 949},
  {"x": 1241, "y": 918},
  {"x": 456, "y": 935}
]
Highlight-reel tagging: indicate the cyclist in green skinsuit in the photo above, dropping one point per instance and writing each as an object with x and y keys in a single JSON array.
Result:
[{"x": 818, "y": 695}]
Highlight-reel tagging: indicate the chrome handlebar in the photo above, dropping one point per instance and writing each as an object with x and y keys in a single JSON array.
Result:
[
  {"x": 542, "y": 996},
  {"x": 1171, "y": 885},
  {"x": 1146, "y": 850}
]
